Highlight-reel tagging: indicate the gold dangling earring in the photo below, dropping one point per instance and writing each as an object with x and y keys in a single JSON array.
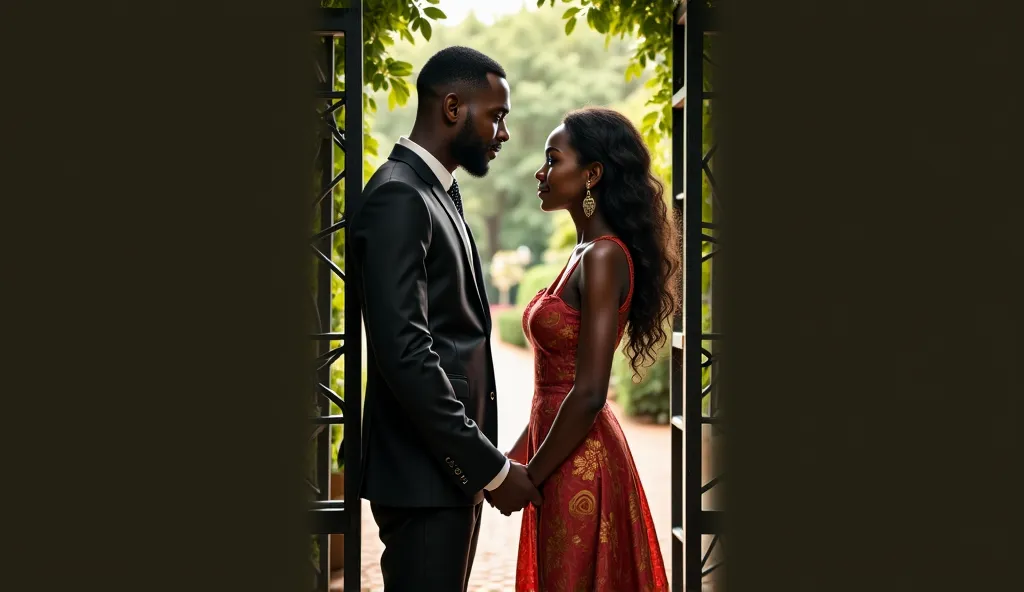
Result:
[{"x": 588, "y": 203}]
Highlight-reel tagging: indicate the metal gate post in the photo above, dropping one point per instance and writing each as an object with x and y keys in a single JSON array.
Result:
[
  {"x": 329, "y": 516},
  {"x": 694, "y": 364}
]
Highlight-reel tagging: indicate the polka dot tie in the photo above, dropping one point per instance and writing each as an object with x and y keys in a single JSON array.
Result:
[{"x": 453, "y": 191}]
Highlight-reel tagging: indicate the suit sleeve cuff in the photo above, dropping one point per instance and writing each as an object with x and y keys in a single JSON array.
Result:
[{"x": 500, "y": 478}]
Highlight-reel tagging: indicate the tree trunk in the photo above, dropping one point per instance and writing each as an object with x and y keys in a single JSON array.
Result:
[{"x": 493, "y": 224}]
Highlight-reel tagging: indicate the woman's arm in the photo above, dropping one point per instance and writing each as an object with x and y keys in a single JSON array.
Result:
[
  {"x": 600, "y": 287},
  {"x": 518, "y": 452}
]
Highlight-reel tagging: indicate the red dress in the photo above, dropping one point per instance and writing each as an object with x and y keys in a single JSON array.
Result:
[{"x": 594, "y": 531}]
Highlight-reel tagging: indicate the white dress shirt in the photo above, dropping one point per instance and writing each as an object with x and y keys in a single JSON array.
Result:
[{"x": 446, "y": 180}]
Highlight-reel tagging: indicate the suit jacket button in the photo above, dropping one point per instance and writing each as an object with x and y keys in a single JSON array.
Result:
[{"x": 492, "y": 395}]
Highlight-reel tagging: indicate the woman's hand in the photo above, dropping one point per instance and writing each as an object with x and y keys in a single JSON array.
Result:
[{"x": 518, "y": 452}]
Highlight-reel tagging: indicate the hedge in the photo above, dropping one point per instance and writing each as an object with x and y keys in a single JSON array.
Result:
[
  {"x": 650, "y": 397},
  {"x": 535, "y": 279},
  {"x": 510, "y": 326},
  {"x": 510, "y": 320}
]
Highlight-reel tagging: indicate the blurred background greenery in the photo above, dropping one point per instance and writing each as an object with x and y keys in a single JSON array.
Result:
[{"x": 559, "y": 55}]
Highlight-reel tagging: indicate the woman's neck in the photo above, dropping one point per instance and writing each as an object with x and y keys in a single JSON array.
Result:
[{"x": 587, "y": 229}]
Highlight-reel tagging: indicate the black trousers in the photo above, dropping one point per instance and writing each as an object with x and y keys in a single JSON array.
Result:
[{"x": 427, "y": 549}]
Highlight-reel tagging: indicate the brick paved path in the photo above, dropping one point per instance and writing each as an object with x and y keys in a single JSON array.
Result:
[{"x": 494, "y": 569}]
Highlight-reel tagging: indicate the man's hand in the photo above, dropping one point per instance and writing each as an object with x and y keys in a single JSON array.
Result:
[{"x": 515, "y": 491}]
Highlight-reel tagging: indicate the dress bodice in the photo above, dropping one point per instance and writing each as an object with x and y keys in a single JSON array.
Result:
[{"x": 552, "y": 327}]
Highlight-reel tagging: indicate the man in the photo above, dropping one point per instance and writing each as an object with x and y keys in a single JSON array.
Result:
[{"x": 430, "y": 420}]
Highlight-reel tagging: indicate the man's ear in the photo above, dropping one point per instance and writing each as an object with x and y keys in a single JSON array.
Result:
[{"x": 451, "y": 105}]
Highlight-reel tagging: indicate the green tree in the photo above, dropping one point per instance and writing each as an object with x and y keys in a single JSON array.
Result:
[
  {"x": 549, "y": 74},
  {"x": 384, "y": 22}
]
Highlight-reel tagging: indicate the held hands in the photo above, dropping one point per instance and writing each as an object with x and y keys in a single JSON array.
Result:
[{"x": 515, "y": 491}]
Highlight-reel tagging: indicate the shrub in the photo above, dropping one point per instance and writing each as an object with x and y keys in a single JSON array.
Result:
[
  {"x": 510, "y": 326},
  {"x": 650, "y": 397},
  {"x": 535, "y": 278}
]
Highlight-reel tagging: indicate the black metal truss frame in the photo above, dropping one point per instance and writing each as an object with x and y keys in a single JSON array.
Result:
[
  {"x": 692, "y": 360},
  {"x": 327, "y": 516}
]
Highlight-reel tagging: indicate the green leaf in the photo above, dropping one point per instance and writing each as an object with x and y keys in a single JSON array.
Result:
[
  {"x": 434, "y": 1},
  {"x": 649, "y": 119},
  {"x": 392, "y": 101},
  {"x": 373, "y": 103},
  {"x": 399, "y": 68},
  {"x": 540, "y": 3},
  {"x": 571, "y": 12},
  {"x": 426, "y": 29},
  {"x": 407, "y": 36},
  {"x": 649, "y": 27},
  {"x": 401, "y": 94},
  {"x": 434, "y": 13},
  {"x": 570, "y": 25}
]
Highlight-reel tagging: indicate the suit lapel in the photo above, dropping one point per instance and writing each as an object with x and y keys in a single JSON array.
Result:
[
  {"x": 403, "y": 154},
  {"x": 469, "y": 247},
  {"x": 472, "y": 259},
  {"x": 478, "y": 272},
  {"x": 453, "y": 216}
]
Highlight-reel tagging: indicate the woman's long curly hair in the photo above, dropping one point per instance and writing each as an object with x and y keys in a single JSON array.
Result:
[{"x": 630, "y": 200}]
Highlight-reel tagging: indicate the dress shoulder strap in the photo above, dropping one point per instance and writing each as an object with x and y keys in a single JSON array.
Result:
[{"x": 629, "y": 260}]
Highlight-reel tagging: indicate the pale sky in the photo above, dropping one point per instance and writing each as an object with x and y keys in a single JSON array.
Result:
[{"x": 486, "y": 10}]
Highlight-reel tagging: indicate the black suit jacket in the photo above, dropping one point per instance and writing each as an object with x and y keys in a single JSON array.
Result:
[{"x": 430, "y": 413}]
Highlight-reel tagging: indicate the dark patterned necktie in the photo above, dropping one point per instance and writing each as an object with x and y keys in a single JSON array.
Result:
[{"x": 453, "y": 191}]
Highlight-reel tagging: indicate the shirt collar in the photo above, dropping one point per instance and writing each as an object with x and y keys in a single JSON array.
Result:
[{"x": 438, "y": 169}]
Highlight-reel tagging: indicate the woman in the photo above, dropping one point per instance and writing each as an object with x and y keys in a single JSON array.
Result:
[{"x": 594, "y": 530}]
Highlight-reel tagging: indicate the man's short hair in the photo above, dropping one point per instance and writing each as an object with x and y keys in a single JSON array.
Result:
[{"x": 455, "y": 66}]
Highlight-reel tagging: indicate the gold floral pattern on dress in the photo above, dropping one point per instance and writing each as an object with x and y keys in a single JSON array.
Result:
[
  {"x": 645, "y": 556},
  {"x": 587, "y": 464},
  {"x": 550, "y": 319},
  {"x": 583, "y": 504},
  {"x": 634, "y": 508},
  {"x": 584, "y": 583},
  {"x": 556, "y": 544},
  {"x": 607, "y": 533}
]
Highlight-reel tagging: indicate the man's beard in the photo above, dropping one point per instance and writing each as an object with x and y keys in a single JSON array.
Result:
[{"x": 469, "y": 151}]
